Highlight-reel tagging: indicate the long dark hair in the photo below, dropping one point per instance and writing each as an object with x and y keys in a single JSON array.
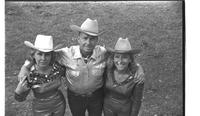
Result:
[{"x": 132, "y": 66}]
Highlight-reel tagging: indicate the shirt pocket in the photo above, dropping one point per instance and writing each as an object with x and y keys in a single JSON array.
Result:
[
  {"x": 98, "y": 70},
  {"x": 72, "y": 74}
]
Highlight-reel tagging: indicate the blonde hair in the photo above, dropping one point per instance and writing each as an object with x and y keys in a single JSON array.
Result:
[{"x": 31, "y": 58}]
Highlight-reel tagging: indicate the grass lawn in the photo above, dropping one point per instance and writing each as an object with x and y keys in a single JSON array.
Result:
[{"x": 155, "y": 28}]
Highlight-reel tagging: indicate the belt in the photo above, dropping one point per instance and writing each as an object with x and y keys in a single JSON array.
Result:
[
  {"x": 49, "y": 94},
  {"x": 88, "y": 94}
]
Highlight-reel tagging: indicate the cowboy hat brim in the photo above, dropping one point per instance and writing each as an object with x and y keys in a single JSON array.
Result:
[
  {"x": 133, "y": 51},
  {"x": 77, "y": 28},
  {"x": 30, "y": 45}
]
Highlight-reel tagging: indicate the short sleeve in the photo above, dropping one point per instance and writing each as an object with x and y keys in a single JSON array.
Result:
[{"x": 61, "y": 55}]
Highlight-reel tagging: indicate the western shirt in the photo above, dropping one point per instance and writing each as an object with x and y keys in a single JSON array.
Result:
[{"x": 81, "y": 77}]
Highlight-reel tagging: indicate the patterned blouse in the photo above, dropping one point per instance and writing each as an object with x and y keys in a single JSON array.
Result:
[{"x": 35, "y": 78}]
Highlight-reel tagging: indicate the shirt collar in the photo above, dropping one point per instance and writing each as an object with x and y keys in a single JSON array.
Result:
[{"x": 77, "y": 53}]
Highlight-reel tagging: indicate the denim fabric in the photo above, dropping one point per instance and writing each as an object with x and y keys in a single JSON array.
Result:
[{"x": 93, "y": 103}]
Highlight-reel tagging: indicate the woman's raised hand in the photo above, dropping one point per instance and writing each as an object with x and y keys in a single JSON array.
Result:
[
  {"x": 139, "y": 75},
  {"x": 22, "y": 86}
]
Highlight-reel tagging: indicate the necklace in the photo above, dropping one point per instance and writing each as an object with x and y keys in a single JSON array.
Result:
[{"x": 35, "y": 77}]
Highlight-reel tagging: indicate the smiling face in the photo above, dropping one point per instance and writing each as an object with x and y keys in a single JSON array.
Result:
[
  {"x": 42, "y": 58},
  {"x": 121, "y": 61},
  {"x": 87, "y": 42}
]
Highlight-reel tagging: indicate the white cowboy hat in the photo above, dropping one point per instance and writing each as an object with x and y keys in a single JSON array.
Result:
[
  {"x": 123, "y": 46},
  {"x": 88, "y": 26},
  {"x": 42, "y": 43}
]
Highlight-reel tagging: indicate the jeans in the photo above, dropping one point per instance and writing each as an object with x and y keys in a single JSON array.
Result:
[{"x": 79, "y": 104}]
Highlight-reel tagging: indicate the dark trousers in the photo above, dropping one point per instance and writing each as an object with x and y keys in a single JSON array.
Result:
[{"x": 80, "y": 103}]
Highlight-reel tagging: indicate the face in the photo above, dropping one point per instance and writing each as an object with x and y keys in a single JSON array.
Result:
[
  {"x": 42, "y": 58},
  {"x": 121, "y": 61},
  {"x": 87, "y": 42}
]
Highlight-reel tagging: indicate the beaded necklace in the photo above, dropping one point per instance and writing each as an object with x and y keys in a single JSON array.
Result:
[{"x": 38, "y": 78}]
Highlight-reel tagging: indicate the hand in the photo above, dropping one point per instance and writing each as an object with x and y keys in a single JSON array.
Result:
[
  {"x": 109, "y": 62},
  {"x": 58, "y": 50},
  {"x": 25, "y": 69},
  {"x": 22, "y": 74},
  {"x": 139, "y": 75},
  {"x": 38, "y": 88},
  {"x": 41, "y": 88},
  {"x": 35, "y": 86},
  {"x": 22, "y": 86}
]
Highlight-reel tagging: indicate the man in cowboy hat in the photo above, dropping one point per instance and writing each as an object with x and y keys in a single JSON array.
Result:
[{"x": 85, "y": 65}]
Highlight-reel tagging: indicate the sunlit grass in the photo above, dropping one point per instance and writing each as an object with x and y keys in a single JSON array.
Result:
[{"x": 156, "y": 30}]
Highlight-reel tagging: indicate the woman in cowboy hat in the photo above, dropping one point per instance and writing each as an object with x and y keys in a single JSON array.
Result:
[
  {"x": 123, "y": 94},
  {"x": 44, "y": 80},
  {"x": 85, "y": 64}
]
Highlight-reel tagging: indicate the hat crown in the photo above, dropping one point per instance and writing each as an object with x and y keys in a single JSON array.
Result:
[
  {"x": 90, "y": 26},
  {"x": 123, "y": 45},
  {"x": 44, "y": 42}
]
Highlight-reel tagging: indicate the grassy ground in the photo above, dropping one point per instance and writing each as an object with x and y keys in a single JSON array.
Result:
[{"x": 156, "y": 28}]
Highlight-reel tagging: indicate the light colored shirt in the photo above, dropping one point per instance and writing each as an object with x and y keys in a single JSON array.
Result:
[{"x": 83, "y": 78}]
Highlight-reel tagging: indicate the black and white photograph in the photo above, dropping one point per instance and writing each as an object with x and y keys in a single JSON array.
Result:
[{"x": 94, "y": 58}]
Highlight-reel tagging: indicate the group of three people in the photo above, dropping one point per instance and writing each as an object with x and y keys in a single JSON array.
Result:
[{"x": 97, "y": 78}]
